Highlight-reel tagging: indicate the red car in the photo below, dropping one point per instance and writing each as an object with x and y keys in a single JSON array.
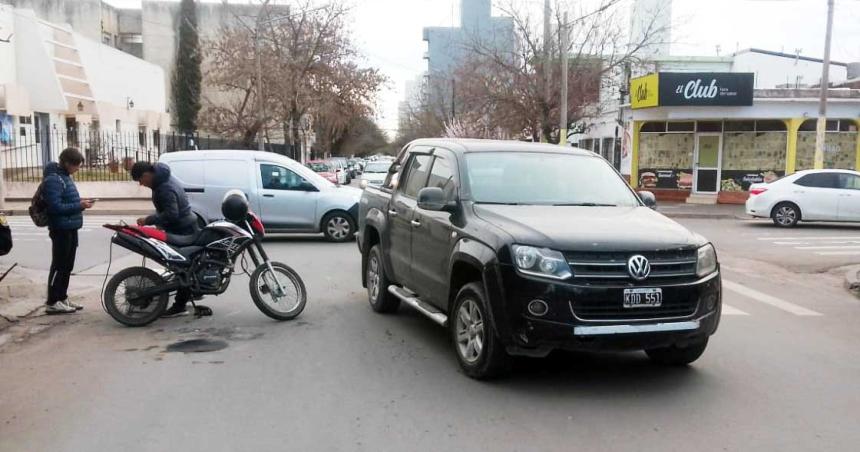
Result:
[{"x": 324, "y": 169}]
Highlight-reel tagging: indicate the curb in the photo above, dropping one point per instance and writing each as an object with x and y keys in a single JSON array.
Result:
[
  {"x": 704, "y": 216},
  {"x": 852, "y": 280}
]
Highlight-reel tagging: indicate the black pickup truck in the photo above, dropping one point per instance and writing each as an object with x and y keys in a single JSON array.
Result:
[{"x": 521, "y": 248}]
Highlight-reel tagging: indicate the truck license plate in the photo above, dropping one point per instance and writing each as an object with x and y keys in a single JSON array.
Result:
[{"x": 643, "y": 298}]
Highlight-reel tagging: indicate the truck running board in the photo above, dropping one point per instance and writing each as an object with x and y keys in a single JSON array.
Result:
[{"x": 409, "y": 298}]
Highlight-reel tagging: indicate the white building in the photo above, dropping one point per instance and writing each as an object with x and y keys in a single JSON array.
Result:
[{"x": 59, "y": 88}]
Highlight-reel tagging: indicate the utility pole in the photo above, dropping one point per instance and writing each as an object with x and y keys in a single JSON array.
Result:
[
  {"x": 453, "y": 100},
  {"x": 821, "y": 127},
  {"x": 261, "y": 108},
  {"x": 565, "y": 62},
  {"x": 547, "y": 39}
]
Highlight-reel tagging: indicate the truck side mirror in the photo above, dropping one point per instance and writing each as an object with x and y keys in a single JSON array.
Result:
[
  {"x": 648, "y": 199},
  {"x": 433, "y": 198}
]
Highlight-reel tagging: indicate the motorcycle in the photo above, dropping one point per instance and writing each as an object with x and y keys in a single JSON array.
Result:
[{"x": 203, "y": 263}]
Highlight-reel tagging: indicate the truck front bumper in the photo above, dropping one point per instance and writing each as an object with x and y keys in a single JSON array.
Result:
[{"x": 592, "y": 317}]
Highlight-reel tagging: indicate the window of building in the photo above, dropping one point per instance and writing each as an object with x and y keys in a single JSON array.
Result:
[
  {"x": 586, "y": 144},
  {"x": 654, "y": 127},
  {"x": 709, "y": 126},
  {"x": 25, "y": 119},
  {"x": 770, "y": 126},
  {"x": 740, "y": 126},
  {"x": 811, "y": 125},
  {"x": 416, "y": 176},
  {"x": 689, "y": 126},
  {"x": 118, "y": 126},
  {"x": 141, "y": 135},
  {"x": 606, "y": 149}
]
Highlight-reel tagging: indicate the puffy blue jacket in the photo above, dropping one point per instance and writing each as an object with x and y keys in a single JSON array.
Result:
[
  {"x": 173, "y": 211},
  {"x": 61, "y": 196}
]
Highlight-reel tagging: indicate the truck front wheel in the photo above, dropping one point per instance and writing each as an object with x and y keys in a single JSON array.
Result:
[
  {"x": 478, "y": 349},
  {"x": 377, "y": 284}
]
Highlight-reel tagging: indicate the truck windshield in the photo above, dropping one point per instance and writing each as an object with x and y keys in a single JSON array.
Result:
[{"x": 530, "y": 178}]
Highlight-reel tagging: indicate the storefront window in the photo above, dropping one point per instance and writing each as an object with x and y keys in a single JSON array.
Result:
[
  {"x": 654, "y": 127},
  {"x": 709, "y": 126},
  {"x": 740, "y": 126},
  {"x": 681, "y": 126},
  {"x": 770, "y": 126}
]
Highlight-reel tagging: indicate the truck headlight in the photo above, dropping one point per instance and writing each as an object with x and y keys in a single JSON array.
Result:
[
  {"x": 707, "y": 260},
  {"x": 541, "y": 262}
]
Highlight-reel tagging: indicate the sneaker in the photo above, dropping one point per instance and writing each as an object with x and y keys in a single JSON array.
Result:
[
  {"x": 59, "y": 308},
  {"x": 73, "y": 305},
  {"x": 176, "y": 310}
]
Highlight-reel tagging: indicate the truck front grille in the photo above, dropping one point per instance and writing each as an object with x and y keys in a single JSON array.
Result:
[
  {"x": 603, "y": 309},
  {"x": 608, "y": 267}
]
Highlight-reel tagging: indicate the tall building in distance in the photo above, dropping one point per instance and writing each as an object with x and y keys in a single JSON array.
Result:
[{"x": 448, "y": 46}]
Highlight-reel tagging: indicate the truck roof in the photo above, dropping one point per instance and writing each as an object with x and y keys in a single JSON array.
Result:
[{"x": 475, "y": 145}]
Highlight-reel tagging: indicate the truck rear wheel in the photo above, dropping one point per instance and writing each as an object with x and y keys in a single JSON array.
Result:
[
  {"x": 479, "y": 351},
  {"x": 377, "y": 284}
]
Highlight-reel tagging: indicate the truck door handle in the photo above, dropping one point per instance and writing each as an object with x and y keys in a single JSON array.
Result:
[
  {"x": 392, "y": 212},
  {"x": 268, "y": 196},
  {"x": 416, "y": 223}
]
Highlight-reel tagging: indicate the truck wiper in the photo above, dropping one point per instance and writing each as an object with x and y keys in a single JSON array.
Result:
[
  {"x": 587, "y": 204},
  {"x": 499, "y": 203}
]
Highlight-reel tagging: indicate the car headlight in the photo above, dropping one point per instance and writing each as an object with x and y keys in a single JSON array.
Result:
[
  {"x": 707, "y": 260},
  {"x": 541, "y": 262}
]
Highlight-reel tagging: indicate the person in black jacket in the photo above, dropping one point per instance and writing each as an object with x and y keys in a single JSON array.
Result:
[
  {"x": 65, "y": 218},
  {"x": 172, "y": 213}
]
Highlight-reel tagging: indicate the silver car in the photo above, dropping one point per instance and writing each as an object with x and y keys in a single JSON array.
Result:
[{"x": 286, "y": 195}]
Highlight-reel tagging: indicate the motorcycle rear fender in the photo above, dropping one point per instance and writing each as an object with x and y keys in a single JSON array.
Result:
[{"x": 140, "y": 246}]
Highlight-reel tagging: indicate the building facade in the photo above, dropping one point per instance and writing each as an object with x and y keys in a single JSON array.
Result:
[
  {"x": 706, "y": 137},
  {"x": 60, "y": 88}
]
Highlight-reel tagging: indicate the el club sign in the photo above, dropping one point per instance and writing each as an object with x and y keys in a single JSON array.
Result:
[{"x": 668, "y": 89}]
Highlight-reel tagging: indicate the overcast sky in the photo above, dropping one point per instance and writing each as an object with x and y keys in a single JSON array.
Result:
[{"x": 389, "y": 32}]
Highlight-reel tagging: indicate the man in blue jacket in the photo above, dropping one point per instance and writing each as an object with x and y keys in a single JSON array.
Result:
[
  {"x": 172, "y": 213},
  {"x": 65, "y": 218}
]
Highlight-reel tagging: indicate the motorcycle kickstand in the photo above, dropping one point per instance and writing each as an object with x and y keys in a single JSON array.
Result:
[{"x": 200, "y": 310}]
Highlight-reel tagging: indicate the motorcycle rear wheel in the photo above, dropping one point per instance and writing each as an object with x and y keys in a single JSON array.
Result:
[
  {"x": 286, "y": 306},
  {"x": 123, "y": 286}
]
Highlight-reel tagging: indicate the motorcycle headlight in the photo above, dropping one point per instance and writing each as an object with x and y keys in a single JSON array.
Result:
[
  {"x": 706, "y": 261},
  {"x": 541, "y": 262}
]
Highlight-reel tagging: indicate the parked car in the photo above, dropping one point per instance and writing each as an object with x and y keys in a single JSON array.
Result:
[
  {"x": 340, "y": 171},
  {"x": 375, "y": 173},
  {"x": 812, "y": 195},
  {"x": 286, "y": 195},
  {"x": 324, "y": 169},
  {"x": 522, "y": 248}
]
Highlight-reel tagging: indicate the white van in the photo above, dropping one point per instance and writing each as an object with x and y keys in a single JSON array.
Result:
[{"x": 286, "y": 195}]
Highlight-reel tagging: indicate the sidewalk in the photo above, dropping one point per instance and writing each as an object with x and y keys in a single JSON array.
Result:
[
  {"x": 131, "y": 207},
  {"x": 707, "y": 211}
]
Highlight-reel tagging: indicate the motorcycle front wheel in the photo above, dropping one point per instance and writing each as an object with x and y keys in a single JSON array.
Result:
[
  {"x": 280, "y": 295},
  {"x": 120, "y": 297}
]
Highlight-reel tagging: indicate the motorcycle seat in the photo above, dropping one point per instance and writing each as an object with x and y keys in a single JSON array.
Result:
[{"x": 183, "y": 240}]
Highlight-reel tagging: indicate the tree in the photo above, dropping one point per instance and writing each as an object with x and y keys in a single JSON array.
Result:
[
  {"x": 187, "y": 76},
  {"x": 312, "y": 80},
  {"x": 362, "y": 136},
  {"x": 504, "y": 90}
]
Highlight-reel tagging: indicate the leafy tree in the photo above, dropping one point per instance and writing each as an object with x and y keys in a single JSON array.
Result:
[{"x": 187, "y": 76}]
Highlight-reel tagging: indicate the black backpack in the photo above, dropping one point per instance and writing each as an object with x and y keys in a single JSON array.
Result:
[{"x": 39, "y": 207}]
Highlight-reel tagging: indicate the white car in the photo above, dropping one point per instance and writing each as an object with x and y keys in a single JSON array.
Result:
[
  {"x": 288, "y": 196},
  {"x": 375, "y": 173},
  {"x": 812, "y": 195}
]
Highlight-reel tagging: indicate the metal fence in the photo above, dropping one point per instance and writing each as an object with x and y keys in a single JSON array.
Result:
[{"x": 108, "y": 155}]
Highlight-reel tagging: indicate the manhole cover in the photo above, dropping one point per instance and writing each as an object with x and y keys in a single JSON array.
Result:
[{"x": 197, "y": 346}]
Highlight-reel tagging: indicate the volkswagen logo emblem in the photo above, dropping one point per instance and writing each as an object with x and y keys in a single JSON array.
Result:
[{"x": 638, "y": 267}]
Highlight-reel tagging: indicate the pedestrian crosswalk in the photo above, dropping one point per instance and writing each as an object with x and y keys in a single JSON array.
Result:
[
  {"x": 23, "y": 228},
  {"x": 821, "y": 245}
]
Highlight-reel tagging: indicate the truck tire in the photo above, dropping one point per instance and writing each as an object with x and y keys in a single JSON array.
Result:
[
  {"x": 677, "y": 356},
  {"x": 480, "y": 353},
  {"x": 380, "y": 299}
]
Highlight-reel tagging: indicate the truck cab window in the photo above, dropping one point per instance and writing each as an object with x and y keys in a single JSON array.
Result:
[
  {"x": 442, "y": 176},
  {"x": 416, "y": 175}
]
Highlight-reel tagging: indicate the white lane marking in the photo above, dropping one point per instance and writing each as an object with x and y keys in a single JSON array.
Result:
[
  {"x": 838, "y": 253},
  {"x": 769, "y": 299},
  {"x": 731, "y": 310},
  {"x": 835, "y": 242},
  {"x": 828, "y": 247},
  {"x": 811, "y": 238}
]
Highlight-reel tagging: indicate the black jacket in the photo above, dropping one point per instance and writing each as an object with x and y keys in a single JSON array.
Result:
[
  {"x": 61, "y": 195},
  {"x": 173, "y": 212}
]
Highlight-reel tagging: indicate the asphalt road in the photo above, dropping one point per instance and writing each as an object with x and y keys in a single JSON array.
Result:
[{"x": 782, "y": 373}]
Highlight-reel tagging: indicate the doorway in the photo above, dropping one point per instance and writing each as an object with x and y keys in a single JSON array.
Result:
[{"x": 707, "y": 161}]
